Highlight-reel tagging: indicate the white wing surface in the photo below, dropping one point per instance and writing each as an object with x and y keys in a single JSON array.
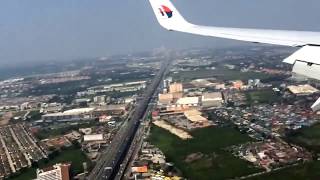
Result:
[{"x": 305, "y": 61}]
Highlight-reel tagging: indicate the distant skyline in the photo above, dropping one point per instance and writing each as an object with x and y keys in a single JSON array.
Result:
[{"x": 44, "y": 30}]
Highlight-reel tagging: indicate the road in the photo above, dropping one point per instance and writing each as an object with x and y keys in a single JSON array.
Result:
[
  {"x": 135, "y": 146},
  {"x": 112, "y": 159}
]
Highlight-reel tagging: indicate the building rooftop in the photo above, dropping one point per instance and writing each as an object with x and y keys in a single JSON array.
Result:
[
  {"x": 188, "y": 100},
  {"x": 302, "y": 89},
  {"x": 71, "y": 112},
  {"x": 93, "y": 137},
  {"x": 194, "y": 116},
  {"x": 112, "y": 107},
  {"x": 212, "y": 96}
]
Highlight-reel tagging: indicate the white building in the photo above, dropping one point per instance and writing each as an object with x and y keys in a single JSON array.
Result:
[
  {"x": 99, "y": 99},
  {"x": 56, "y": 172},
  {"x": 93, "y": 137},
  {"x": 212, "y": 99},
  {"x": 51, "y": 107},
  {"x": 24, "y": 106},
  {"x": 188, "y": 101},
  {"x": 70, "y": 115}
]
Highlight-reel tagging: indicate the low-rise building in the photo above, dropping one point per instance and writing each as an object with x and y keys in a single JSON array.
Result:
[
  {"x": 99, "y": 99},
  {"x": 237, "y": 84},
  {"x": 166, "y": 98},
  {"x": 212, "y": 99},
  {"x": 93, "y": 137},
  {"x": 52, "y": 108},
  {"x": 188, "y": 101},
  {"x": 108, "y": 110},
  {"x": 70, "y": 115},
  {"x": 303, "y": 89}
]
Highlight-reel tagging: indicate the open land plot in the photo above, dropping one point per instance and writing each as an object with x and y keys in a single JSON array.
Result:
[
  {"x": 216, "y": 163},
  {"x": 178, "y": 132},
  {"x": 308, "y": 171}
]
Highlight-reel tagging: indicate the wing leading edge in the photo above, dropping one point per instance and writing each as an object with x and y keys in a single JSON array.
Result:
[
  {"x": 170, "y": 18},
  {"x": 306, "y": 61}
]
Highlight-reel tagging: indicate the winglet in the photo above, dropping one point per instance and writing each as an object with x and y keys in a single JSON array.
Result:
[{"x": 168, "y": 16}]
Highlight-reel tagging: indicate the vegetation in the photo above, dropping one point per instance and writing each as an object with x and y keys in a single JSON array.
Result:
[
  {"x": 308, "y": 137},
  {"x": 72, "y": 87},
  {"x": 219, "y": 73},
  {"x": 218, "y": 162},
  {"x": 34, "y": 115},
  {"x": 47, "y": 133},
  {"x": 308, "y": 171},
  {"x": 262, "y": 96}
]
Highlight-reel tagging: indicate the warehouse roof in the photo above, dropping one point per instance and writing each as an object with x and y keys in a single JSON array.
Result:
[
  {"x": 303, "y": 89},
  {"x": 214, "y": 96},
  {"x": 188, "y": 100},
  {"x": 93, "y": 137},
  {"x": 71, "y": 112}
]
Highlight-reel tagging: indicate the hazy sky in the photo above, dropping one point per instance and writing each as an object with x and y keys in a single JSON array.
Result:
[{"x": 43, "y": 30}]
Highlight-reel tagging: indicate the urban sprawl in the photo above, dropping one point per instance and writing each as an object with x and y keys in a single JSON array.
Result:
[{"x": 75, "y": 117}]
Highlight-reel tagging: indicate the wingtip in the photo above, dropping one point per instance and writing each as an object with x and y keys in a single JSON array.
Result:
[{"x": 316, "y": 105}]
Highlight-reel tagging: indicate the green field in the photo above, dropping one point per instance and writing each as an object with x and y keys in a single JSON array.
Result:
[
  {"x": 73, "y": 155},
  {"x": 219, "y": 163},
  {"x": 308, "y": 137},
  {"x": 34, "y": 115},
  {"x": 309, "y": 171},
  {"x": 262, "y": 96},
  {"x": 219, "y": 73}
]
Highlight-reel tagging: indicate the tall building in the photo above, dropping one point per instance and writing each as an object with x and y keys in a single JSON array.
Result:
[
  {"x": 56, "y": 172},
  {"x": 166, "y": 83},
  {"x": 250, "y": 82},
  {"x": 257, "y": 82},
  {"x": 254, "y": 83},
  {"x": 220, "y": 86},
  {"x": 237, "y": 84},
  {"x": 176, "y": 87},
  {"x": 99, "y": 99},
  {"x": 165, "y": 98}
]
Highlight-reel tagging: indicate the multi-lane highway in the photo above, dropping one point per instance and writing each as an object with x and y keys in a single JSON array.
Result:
[{"x": 112, "y": 159}]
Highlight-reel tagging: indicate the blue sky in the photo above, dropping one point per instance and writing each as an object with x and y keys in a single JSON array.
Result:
[{"x": 44, "y": 30}]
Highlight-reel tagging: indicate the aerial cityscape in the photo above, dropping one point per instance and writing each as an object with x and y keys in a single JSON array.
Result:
[
  {"x": 188, "y": 114},
  {"x": 139, "y": 90}
]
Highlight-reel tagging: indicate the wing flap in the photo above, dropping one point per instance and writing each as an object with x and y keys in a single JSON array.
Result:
[
  {"x": 309, "y": 54},
  {"x": 306, "y": 61},
  {"x": 307, "y": 69}
]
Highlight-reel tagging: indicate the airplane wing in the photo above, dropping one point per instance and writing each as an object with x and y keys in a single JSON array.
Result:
[
  {"x": 170, "y": 18},
  {"x": 305, "y": 61}
]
